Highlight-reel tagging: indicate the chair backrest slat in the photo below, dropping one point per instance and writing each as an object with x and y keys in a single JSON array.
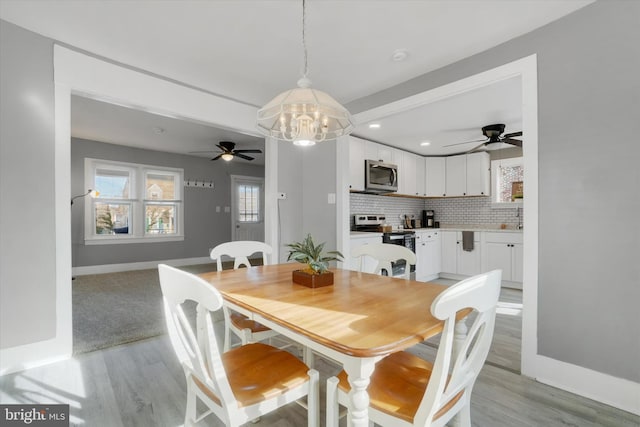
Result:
[
  {"x": 240, "y": 250},
  {"x": 453, "y": 373},
  {"x": 385, "y": 254},
  {"x": 197, "y": 352}
]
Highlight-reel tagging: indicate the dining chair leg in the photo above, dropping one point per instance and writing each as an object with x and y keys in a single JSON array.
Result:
[
  {"x": 227, "y": 329},
  {"x": 333, "y": 407},
  {"x": 190, "y": 412},
  {"x": 308, "y": 357},
  {"x": 313, "y": 399}
]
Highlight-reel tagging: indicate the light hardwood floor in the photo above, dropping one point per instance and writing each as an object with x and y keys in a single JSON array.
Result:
[{"x": 141, "y": 384}]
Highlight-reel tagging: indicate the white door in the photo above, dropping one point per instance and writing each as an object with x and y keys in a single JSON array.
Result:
[{"x": 247, "y": 208}]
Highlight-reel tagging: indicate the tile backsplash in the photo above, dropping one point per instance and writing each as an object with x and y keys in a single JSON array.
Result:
[
  {"x": 462, "y": 210},
  {"x": 392, "y": 207}
]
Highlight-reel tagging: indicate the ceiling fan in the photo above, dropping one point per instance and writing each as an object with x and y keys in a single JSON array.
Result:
[
  {"x": 494, "y": 134},
  {"x": 229, "y": 151}
]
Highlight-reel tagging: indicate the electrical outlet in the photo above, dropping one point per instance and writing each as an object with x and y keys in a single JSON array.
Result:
[{"x": 282, "y": 196}]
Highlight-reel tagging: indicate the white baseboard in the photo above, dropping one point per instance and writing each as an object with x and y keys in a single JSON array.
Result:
[
  {"x": 617, "y": 392},
  {"x": 28, "y": 356},
  {"x": 146, "y": 265}
]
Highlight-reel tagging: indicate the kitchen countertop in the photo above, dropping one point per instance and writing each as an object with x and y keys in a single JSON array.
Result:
[
  {"x": 448, "y": 227},
  {"x": 366, "y": 234}
]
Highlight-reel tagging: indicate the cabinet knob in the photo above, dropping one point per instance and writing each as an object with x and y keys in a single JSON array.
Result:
[
  {"x": 482, "y": 192},
  {"x": 464, "y": 194}
]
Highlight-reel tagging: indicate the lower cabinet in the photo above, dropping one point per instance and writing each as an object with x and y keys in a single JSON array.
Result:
[
  {"x": 359, "y": 240},
  {"x": 457, "y": 261},
  {"x": 428, "y": 254},
  {"x": 504, "y": 251}
]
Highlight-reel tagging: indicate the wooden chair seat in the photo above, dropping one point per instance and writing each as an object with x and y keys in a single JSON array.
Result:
[
  {"x": 241, "y": 322},
  {"x": 398, "y": 385},
  {"x": 279, "y": 371}
]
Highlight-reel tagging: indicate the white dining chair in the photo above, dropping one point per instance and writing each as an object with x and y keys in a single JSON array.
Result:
[
  {"x": 243, "y": 327},
  {"x": 237, "y": 386},
  {"x": 384, "y": 254},
  {"x": 406, "y": 390}
]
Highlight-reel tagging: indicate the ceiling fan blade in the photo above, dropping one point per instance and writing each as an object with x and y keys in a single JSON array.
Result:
[
  {"x": 466, "y": 142},
  {"x": 515, "y": 142},
  {"x": 509, "y": 135},
  {"x": 242, "y": 156},
  {"x": 247, "y": 151},
  {"x": 217, "y": 157},
  {"x": 475, "y": 148}
]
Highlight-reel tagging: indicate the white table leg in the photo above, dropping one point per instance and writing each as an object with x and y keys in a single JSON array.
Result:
[
  {"x": 459, "y": 336},
  {"x": 359, "y": 372}
]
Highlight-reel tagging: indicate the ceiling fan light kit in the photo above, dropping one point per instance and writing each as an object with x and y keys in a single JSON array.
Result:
[{"x": 303, "y": 115}]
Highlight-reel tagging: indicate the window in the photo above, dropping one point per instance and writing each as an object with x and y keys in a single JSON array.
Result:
[
  {"x": 248, "y": 202},
  {"x": 507, "y": 182},
  {"x": 135, "y": 203}
]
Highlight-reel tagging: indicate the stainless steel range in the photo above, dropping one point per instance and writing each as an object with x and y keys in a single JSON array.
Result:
[{"x": 376, "y": 223}]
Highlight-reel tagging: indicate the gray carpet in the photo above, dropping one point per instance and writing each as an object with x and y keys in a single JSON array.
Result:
[{"x": 117, "y": 308}]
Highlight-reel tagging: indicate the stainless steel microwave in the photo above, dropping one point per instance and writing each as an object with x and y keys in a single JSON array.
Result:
[{"x": 380, "y": 177}]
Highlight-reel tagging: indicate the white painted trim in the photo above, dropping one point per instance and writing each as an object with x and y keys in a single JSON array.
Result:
[
  {"x": 77, "y": 73},
  {"x": 131, "y": 266},
  {"x": 617, "y": 392},
  {"x": 271, "y": 207},
  {"x": 343, "y": 222},
  {"x": 526, "y": 69}
]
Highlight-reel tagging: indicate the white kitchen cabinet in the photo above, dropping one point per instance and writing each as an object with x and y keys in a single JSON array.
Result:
[
  {"x": 478, "y": 174},
  {"x": 420, "y": 177},
  {"x": 503, "y": 250},
  {"x": 435, "y": 176},
  {"x": 428, "y": 254},
  {"x": 457, "y": 261},
  {"x": 456, "y": 176},
  {"x": 375, "y": 151},
  {"x": 356, "y": 163},
  {"x": 357, "y": 240},
  {"x": 408, "y": 174}
]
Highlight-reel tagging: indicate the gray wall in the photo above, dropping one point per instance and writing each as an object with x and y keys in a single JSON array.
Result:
[
  {"x": 203, "y": 227},
  {"x": 589, "y": 106},
  {"x": 307, "y": 175},
  {"x": 27, "y": 220}
]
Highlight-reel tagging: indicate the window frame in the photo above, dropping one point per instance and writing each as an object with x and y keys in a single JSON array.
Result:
[
  {"x": 138, "y": 201},
  {"x": 495, "y": 164},
  {"x": 259, "y": 214}
]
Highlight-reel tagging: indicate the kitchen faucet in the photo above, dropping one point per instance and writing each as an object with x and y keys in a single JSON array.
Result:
[{"x": 519, "y": 215}]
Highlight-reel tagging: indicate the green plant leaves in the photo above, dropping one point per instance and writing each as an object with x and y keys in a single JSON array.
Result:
[{"x": 307, "y": 252}]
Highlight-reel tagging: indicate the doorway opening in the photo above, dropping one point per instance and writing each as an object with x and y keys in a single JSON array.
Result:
[{"x": 247, "y": 208}]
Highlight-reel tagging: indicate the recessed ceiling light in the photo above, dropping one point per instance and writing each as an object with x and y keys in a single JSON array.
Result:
[
  {"x": 374, "y": 125},
  {"x": 399, "y": 55},
  {"x": 425, "y": 143}
]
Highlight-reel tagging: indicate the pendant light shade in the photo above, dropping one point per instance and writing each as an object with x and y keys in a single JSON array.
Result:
[{"x": 304, "y": 115}]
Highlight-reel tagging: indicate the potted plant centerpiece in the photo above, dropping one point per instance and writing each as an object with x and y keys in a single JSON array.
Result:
[{"x": 316, "y": 273}]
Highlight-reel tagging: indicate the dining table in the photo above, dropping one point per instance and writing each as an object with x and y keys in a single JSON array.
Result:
[{"x": 356, "y": 321}]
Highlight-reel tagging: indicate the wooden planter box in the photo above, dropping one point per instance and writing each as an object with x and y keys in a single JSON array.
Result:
[{"x": 312, "y": 280}]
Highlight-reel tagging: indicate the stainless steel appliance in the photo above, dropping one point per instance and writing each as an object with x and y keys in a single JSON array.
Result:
[
  {"x": 376, "y": 223},
  {"x": 380, "y": 177}
]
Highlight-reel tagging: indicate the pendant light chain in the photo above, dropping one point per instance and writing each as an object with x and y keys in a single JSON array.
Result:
[{"x": 304, "y": 40}]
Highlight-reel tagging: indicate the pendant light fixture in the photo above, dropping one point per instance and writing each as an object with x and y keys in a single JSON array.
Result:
[{"x": 303, "y": 115}]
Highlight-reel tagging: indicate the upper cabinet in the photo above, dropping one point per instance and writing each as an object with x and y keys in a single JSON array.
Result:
[
  {"x": 375, "y": 151},
  {"x": 468, "y": 175},
  {"x": 454, "y": 176},
  {"x": 478, "y": 174},
  {"x": 435, "y": 169},
  {"x": 356, "y": 163}
]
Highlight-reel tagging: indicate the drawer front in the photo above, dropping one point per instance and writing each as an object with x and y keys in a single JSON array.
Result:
[{"x": 503, "y": 237}]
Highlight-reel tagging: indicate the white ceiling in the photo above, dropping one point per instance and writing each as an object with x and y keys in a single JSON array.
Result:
[{"x": 251, "y": 50}]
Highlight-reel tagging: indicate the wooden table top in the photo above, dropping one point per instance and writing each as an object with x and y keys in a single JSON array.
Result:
[{"x": 360, "y": 315}]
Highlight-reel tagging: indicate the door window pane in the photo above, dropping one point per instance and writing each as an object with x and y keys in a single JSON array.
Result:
[{"x": 248, "y": 203}]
